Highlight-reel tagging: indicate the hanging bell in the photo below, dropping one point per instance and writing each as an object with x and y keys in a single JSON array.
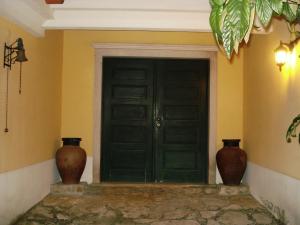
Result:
[{"x": 21, "y": 56}]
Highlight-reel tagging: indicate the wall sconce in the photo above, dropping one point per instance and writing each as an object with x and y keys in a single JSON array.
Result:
[
  {"x": 283, "y": 52},
  {"x": 13, "y": 53}
]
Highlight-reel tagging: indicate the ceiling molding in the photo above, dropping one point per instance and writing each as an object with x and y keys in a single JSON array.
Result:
[
  {"x": 28, "y": 14},
  {"x": 202, "y": 5},
  {"x": 163, "y": 15},
  {"x": 129, "y": 20},
  {"x": 155, "y": 15},
  {"x": 156, "y": 47}
]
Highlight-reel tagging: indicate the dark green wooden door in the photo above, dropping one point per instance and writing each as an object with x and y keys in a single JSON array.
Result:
[
  {"x": 127, "y": 128},
  {"x": 181, "y": 116},
  {"x": 155, "y": 120}
]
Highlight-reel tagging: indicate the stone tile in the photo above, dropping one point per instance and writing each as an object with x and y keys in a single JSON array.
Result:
[
  {"x": 212, "y": 222},
  {"x": 62, "y": 217},
  {"x": 261, "y": 218},
  {"x": 208, "y": 214},
  {"x": 234, "y": 218},
  {"x": 233, "y": 207},
  {"x": 71, "y": 189},
  {"x": 177, "y": 214},
  {"x": 148, "y": 205},
  {"x": 135, "y": 212},
  {"x": 144, "y": 221},
  {"x": 233, "y": 190},
  {"x": 42, "y": 212},
  {"x": 176, "y": 222}
]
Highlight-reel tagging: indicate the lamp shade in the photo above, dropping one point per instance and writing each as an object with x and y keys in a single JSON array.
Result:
[{"x": 281, "y": 55}]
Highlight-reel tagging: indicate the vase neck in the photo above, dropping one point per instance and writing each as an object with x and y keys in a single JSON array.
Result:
[
  {"x": 71, "y": 141},
  {"x": 231, "y": 142}
]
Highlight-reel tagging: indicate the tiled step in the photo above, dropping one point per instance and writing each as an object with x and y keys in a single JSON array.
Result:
[
  {"x": 69, "y": 189},
  {"x": 81, "y": 188}
]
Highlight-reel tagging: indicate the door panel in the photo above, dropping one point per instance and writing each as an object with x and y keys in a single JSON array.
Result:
[
  {"x": 127, "y": 120},
  {"x": 155, "y": 114},
  {"x": 181, "y": 112},
  {"x": 181, "y": 107},
  {"x": 129, "y": 112}
]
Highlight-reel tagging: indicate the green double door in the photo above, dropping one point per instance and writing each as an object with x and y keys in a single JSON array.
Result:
[{"x": 155, "y": 120}]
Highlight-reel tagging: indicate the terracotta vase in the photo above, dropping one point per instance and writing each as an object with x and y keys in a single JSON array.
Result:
[
  {"x": 231, "y": 162},
  {"x": 70, "y": 160},
  {"x": 54, "y": 1}
]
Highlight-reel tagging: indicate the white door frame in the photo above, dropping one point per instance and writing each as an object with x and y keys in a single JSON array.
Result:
[{"x": 155, "y": 51}]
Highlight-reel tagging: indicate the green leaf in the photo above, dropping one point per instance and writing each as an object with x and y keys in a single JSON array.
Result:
[
  {"x": 239, "y": 15},
  {"x": 276, "y": 5},
  {"x": 288, "y": 12},
  {"x": 215, "y": 20},
  {"x": 235, "y": 24},
  {"x": 252, "y": 14},
  {"x": 294, "y": 8},
  {"x": 264, "y": 11},
  {"x": 298, "y": 12},
  {"x": 297, "y": 20},
  {"x": 236, "y": 45},
  {"x": 291, "y": 132},
  {"x": 227, "y": 37},
  {"x": 216, "y": 2}
]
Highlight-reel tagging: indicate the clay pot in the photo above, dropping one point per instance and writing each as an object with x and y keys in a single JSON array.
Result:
[
  {"x": 70, "y": 160},
  {"x": 54, "y": 1},
  {"x": 231, "y": 162}
]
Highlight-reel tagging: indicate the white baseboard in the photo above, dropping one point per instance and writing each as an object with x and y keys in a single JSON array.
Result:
[
  {"x": 87, "y": 175},
  {"x": 218, "y": 177},
  {"x": 21, "y": 189},
  {"x": 281, "y": 193}
]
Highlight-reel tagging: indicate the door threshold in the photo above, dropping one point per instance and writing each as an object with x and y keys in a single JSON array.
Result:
[{"x": 158, "y": 185}]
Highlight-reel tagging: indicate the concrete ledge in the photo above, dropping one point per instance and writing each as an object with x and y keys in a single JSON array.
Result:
[
  {"x": 69, "y": 189},
  {"x": 233, "y": 190},
  {"x": 83, "y": 187}
]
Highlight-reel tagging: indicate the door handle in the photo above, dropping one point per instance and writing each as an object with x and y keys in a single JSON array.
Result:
[{"x": 157, "y": 122}]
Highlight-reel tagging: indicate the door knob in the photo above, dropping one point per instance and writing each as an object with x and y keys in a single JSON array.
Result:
[{"x": 157, "y": 124}]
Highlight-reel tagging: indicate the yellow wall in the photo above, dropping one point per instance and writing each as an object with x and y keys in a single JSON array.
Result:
[
  {"x": 78, "y": 76},
  {"x": 271, "y": 100},
  {"x": 34, "y": 116}
]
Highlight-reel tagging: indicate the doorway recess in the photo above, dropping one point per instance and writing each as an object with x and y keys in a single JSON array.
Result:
[{"x": 155, "y": 51}]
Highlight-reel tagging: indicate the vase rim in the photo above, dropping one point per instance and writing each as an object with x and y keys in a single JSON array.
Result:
[
  {"x": 71, "y": 138},
  {"x": 231, "y": 140}
]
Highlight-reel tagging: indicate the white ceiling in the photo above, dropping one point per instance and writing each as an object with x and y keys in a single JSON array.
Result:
[
  {"x": 29, "y": 14},
  {"x": 171, "y": 15},
  {"x": 163, "y": 15}
]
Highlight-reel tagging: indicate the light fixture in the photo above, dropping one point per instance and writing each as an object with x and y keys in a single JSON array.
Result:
[
  {"x": 283, "y": 52},
  {"x": 9, "y": 50},
  {"x": 13, "y": 53}
]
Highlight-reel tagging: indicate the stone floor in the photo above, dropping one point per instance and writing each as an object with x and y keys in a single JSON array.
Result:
[{"x": 149, "y": 205}]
